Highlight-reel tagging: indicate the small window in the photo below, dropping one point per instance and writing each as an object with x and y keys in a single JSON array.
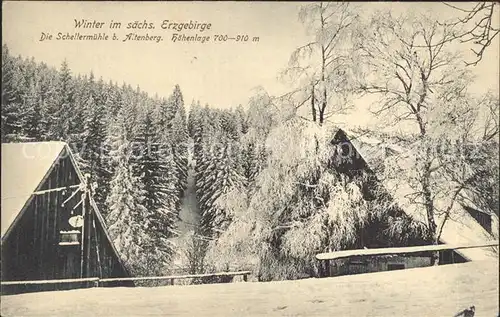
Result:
[
  {"x": 395, "y": 266},
  {"x": 69, "y": 237}
]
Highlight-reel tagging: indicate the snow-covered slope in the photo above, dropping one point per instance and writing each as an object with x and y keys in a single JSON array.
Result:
[{"x": 431, "y": 291}]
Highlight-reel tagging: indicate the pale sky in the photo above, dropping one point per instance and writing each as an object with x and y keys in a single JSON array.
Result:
[{"x": 220, "y": 74}]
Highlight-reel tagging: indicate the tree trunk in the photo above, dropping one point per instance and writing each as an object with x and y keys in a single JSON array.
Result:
[
  {"x": 435, "y": 258},
  {"x": 429, "y": 204},
  {"x": 323, "y": 70},
  {"x": 322, "y": 111},
  {"x": 313, "y": 106}
]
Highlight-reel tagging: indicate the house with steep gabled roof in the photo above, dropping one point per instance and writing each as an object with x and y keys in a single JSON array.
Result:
[
  {"x": 51, "y": 227},
  {"x": 469, "y": 225}
]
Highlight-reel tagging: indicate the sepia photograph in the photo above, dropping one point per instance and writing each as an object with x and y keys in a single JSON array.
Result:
[{"x": 250, "y": 158}]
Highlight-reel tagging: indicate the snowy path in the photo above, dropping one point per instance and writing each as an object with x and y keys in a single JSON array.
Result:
[
  {"x": 423, "y": 292},
  {"x": 189, "y": 213}
]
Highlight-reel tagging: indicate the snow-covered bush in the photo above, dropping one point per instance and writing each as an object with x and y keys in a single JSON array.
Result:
[{"x": 300, "y": 206}]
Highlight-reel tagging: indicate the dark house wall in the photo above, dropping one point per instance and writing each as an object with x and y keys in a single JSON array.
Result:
[
  {"x": 481, "y": 217},
  {"x": 369, "y": 264},
  {"x": 450, "y": 257},
  {"x": 350, "y": 162},
  {"x": 31, "y": 250}
]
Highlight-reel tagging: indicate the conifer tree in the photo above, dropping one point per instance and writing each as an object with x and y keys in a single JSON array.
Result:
[
  {"x": 156, "y": 173},
  {"x": 198, "y": 121},
  {"x": 194, "y": 118},
  {"x": 12, "y": 110},
  {"x": 47, "y": 93},
  {"x": 127, "y": 216},
  {"x": 64, "y": 111},
  {"x": 227, "y": 178},
  {"x": 113, "y": 100},
  {"x": 241, "y": 117},
  {"x": 173, "y": 117},
  {"x": 179, "y": 138},
  {"x": 35, "y": 122},
  {"x": 94, "y": 150},
  {"x": 80, "y": 99},
  {"x": 217, "y": 175},
  {"x": 176, "y": 101}
]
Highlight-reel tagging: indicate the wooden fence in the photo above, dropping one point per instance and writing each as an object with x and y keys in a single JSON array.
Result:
[
  {"x": 403, "y": 250},
  {"x": 16, "y": 287},
  {"x": 172, "y": 278},
  {"x": 326, "y": 258}
]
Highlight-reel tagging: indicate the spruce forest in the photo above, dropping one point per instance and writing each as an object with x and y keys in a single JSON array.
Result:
[{"x": 194, "y": 188}]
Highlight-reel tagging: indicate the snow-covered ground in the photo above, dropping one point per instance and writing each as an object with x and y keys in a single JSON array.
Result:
[
  {"x": 189, "y": 213},
  {"x": 423, "y": 292}
]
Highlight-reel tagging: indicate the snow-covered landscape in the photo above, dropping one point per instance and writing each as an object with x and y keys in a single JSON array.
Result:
[
  {"x": 402, "y": 293},
  {"x": 330, "y": 126}
]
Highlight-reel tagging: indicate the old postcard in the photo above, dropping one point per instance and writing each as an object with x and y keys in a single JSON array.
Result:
[{"x": 250, "y": 158}]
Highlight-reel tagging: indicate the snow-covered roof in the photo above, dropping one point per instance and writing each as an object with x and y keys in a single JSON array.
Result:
[
  {"x": 462, "y": 228},
  {"x": 24, "y": 165}
]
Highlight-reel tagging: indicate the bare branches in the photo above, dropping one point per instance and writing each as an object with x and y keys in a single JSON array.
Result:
[
  {"x": 463, "y": 10},
  {"x": 491, "y": 125},
  {"x": 413, "y": 69},
  {"x": 302, "y": 51},
  {"x": 478, "y": 27},
  {"x": 324, "y": 62},
  {"x": 410, "y": 58},
  {"x": 475, "y": 27},
  {"x": 447, "y": 212}
]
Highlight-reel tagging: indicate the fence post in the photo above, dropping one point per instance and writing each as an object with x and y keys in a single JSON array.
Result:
[
  {"x": 172, "y": 281},
  {"x": 245, "y": 277}
]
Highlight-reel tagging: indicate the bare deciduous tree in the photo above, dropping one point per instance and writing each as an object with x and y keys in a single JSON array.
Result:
[
  {"x": 477, "y": 25},
  {"x": 491, "y": 105},
  {"x": 422, "y": 83},
  {"x": 321, "y": 67}
]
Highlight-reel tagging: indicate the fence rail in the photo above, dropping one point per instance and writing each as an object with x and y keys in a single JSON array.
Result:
[
  {"x": 63, "y": 281},
  {"x": 15, "y": 287},
  {"x": 177, "y": 277},
  {"x": 403, "y": 250}
]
